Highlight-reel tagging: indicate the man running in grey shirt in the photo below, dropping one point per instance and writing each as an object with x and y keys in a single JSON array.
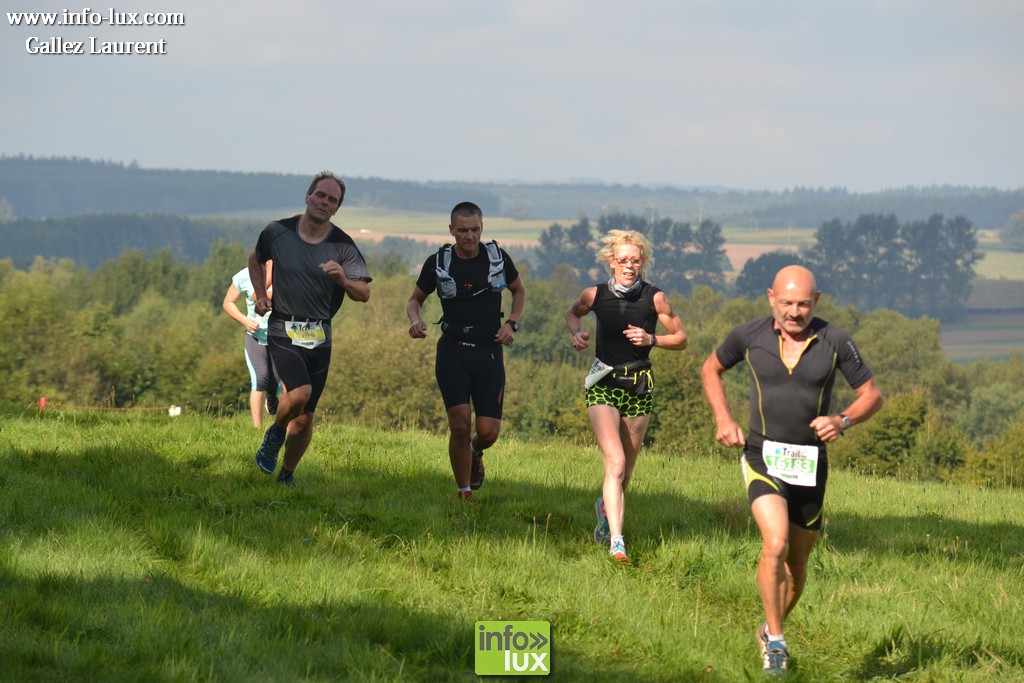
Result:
[{"x": 315, "y": 266}]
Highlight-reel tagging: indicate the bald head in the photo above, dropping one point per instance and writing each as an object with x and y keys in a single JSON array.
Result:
[{"x": 795, "y": 278}]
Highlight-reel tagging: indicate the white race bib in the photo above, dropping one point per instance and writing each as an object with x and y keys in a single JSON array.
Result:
[
  {"x": 308, "y": 335},
  {"x": 597, "y": 372},
  {"x": 797, "y": 465}
]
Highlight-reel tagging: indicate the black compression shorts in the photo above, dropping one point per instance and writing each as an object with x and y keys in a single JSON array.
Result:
[
  {"x": 298, "y": 366},
  {"x": 467, "y": 373},
  {"x": 805, "y": 503}
]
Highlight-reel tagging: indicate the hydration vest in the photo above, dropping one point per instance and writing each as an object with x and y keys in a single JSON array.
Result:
[{"x": 495, "y": 273}]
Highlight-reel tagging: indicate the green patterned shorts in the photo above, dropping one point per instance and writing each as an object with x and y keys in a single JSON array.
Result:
[{"x": 628, "y": 403}]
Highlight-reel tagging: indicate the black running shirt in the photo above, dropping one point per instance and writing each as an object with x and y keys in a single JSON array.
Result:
[{"x": 783, "y": 402}]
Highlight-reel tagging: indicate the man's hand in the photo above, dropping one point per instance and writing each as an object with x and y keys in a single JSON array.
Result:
[
  {"x": 730, "y": 434},
  {"x": 418, "y": 330},
  {"x": 334, "y": 271},
  {"x": 263, "y": 305},
  {"x": 827, "y": 428},
  {"x": 505, "y": 335}
]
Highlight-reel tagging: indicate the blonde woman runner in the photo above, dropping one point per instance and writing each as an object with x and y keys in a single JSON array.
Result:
[{"x": 620, "y": 385}]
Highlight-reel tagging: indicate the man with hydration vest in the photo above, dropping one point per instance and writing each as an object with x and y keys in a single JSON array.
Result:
[{"x": 469, "y": 278}]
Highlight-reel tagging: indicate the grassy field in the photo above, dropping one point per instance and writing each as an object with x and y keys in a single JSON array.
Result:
[{"x": 140, "y": 547}]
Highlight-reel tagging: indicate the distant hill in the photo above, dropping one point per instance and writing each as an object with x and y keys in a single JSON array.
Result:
[{"x": 32, "y": 187}]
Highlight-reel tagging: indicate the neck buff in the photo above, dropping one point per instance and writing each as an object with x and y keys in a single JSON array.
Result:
[{"x": 623, "y": 292}]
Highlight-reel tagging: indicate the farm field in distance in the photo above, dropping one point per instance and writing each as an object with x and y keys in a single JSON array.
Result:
[{"x": 984, "y": 334}]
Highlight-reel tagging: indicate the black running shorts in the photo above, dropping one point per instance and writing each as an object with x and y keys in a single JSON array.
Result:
[
  {"x": 298, "y": 366},
  {"x": 471, "y": 373},
  {"x": 805, "y": 503}
]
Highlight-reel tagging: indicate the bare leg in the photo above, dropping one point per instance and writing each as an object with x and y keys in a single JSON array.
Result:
[
  {"x": 256, "y": 408},
  {"x": 300, "y": 433},
  {"x": 619, "y": 439},
  {"x": 772, "y": 518}
]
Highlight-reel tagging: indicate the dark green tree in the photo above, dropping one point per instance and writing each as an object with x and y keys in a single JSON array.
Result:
[
  {"x": 708, "y": 255},
  {"x": 939, "y": 256},
  {"x": 919, "y": 268},
  {"x": 573, "y": 246}
]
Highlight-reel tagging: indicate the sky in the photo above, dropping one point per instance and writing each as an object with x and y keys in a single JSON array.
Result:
[{"x": 867, "y": 95}]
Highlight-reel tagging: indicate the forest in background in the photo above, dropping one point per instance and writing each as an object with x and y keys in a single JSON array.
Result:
[
  {"x": 130, "y": 305},
  {"x": 148, "y": 331},
  {"x": 34, "y": 187}
]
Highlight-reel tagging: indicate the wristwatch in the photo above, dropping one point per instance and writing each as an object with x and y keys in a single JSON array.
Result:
[
  {"x": 847, "y": 422},
  {"x": 513, "y": 324}
]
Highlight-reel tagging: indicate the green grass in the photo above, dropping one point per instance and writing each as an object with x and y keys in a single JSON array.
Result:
[
  {"x": 999, "y": 264},
  {"x": 369, "y": 221},
  {"x": 139, "y": 547}
]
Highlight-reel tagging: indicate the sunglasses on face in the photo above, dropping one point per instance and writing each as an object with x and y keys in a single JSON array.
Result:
[{"x": 629, "y": 262}]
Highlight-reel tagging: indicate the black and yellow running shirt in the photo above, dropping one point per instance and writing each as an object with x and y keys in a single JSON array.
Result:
[{"x": 783, "y": 400}]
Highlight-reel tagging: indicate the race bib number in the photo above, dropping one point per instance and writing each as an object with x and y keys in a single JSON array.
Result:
[
  {"x": 305, "y": 334},
  {"x": 597, "y": 372},
  {"x": 797, "y": 465}
]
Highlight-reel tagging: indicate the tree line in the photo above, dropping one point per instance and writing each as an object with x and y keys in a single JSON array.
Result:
[
  {"x": 918, "y": 268},
  {"x": 147, "y": 330},
  {"x": 35, "y": 187}
]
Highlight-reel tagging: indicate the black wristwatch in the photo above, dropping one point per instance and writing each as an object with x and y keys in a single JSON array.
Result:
[{"x": 513, "y": 324}]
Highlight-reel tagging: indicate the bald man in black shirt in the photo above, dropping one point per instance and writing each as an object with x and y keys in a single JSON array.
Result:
[{"x": 792, "y": 358}]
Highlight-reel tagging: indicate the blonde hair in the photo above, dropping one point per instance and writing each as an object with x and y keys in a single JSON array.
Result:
[{"x": 616, "y": 238}]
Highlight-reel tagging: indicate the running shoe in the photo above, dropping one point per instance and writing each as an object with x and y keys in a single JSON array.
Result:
[
  {"x": 286, "y": 479},
  {"x": 602, "y": 535},
  {"x": 476, "y": 475},
  {"x": 272, "y": 402},
  {"x": 761, "y": 636},
  {"x": 618, "y": 552},
  {"x": 776, "y": 658},
  {"x": 266, "y": 456},
  {"x": 465, "y": 495}
]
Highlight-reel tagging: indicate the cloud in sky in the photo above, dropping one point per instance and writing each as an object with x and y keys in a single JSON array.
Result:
[{"x": 865, "y": 95}]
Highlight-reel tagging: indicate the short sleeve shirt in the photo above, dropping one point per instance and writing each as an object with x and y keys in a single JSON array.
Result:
[
  {"x": 784, "y": 401},
  {"x": 243, "y": 284},
  {"x": 302, "y": 290}
]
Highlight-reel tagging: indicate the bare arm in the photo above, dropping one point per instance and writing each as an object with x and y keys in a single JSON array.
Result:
[
  {"x": 676, "y": 337},
  {"x": 231, "y": 308},
  {"x": 258, "y": 277},
  {"x": 574, "y": 318},
  {"x": 414, "y": 309},
  {"x": 727, "y": 432},
  {"x": 357, "y": 290},
  {"x": 505, "y": 334}
]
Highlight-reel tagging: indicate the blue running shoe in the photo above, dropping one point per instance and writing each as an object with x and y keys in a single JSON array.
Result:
[
  {"x": 266, "y": 456},
  {"x": 618, "y": 551},
  {"x": 776, "y": 658},
  {"x": 602, "y": 535}
]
